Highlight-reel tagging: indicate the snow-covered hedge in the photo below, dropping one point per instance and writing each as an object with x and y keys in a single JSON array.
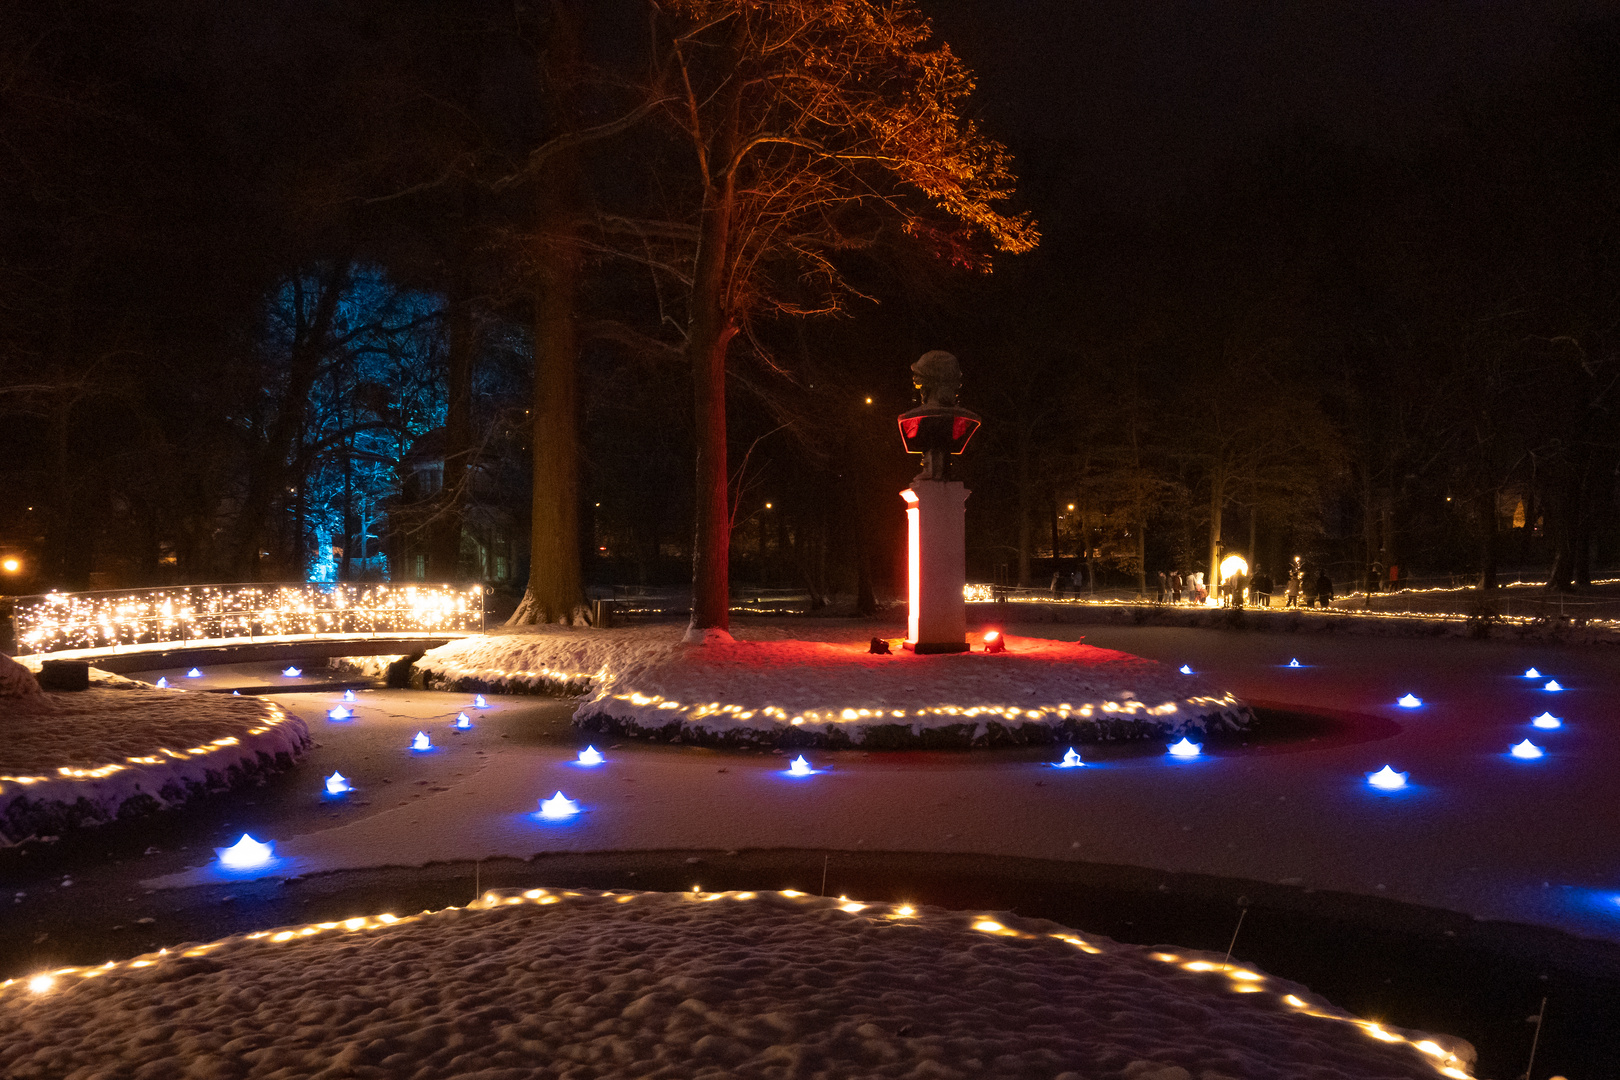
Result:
[
  {"x": 521, "y": 984},
  {"x": 774, "y": 690},
  {"x": 124, "y": 748}
]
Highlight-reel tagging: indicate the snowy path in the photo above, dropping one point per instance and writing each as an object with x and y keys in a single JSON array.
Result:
[{"x": 1479, "y": 832}]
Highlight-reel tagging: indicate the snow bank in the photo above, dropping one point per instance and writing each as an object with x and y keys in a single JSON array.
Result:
[
  {"x": 124, "y": 748},
  {"x": 676, "y": 985},
  {"x": 774, "y": 690},
  {"x": 17, "y": 684}
]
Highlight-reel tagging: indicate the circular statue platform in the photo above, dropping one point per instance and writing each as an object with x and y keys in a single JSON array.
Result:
[
  {"x": 543, "y": 983},
  {"x": 775, "y": 690}
]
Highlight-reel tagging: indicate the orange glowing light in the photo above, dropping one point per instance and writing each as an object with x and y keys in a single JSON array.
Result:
[{"x": 11, "y": 565}]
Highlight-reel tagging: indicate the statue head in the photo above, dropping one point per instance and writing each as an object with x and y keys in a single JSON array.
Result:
[{"x": 937, "y": 376}]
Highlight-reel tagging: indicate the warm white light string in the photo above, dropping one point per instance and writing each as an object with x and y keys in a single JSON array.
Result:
[
  {"x": 72, "y": 621},
  {"x": 1239, "y": 979}
]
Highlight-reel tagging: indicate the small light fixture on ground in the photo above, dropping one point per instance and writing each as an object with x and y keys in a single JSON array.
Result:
[
  {"x": 1552, "y": 686},
  {"x": 799, "y": 767},
  {"x": 1185, "y": 670},
  {"x": 1071, "y": 760},
  {"x": 558, "y": 807},
  {"x": 292, "y": 672},
  {"x": 1387, "y": 779},
  {"x": 591, "y": 756},
  {"x": 1547, "y": 720},
  {"x": 421, "y": 742},
  {"x": 1527, "y": 750},
  {"x": 993, "y": 642},
  {"x": 1532, "y": 674},
  {"x": 479, "y": 702},
  {"x": 339, "y": 713},
  {"x": 162, "y": 683},
  {"x": 337, "y": 784},
  {"x": 41, "y": 984},
  {"x": 246, "y": 854},
  {"x": 1186, "y": 748},
  {"x": 462, "y": 722},
  {"x": 194, "y": 673},
  {"x": 1409, "y": 701},
  {"x": 1295, "y": 662},
  {"x": 348, "y": 695}
]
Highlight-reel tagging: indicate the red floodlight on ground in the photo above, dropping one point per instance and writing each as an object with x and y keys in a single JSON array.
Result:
[{"x": 994, "y": 642}]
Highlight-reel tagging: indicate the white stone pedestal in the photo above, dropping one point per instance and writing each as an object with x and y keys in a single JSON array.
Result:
[{"x": 936, "y": 552}]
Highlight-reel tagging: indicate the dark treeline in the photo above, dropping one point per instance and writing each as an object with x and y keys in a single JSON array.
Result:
[{"x": 295, "y": 289}]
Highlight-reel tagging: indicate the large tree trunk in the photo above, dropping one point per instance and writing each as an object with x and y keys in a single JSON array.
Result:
[
  {"x": 556, "y": 592},
  {"x": 1217, "y": 502},
  {"x": 444, "y": 537},
  {"x": 709, "y": 333},
  {"x": 1023, "y": 509}
]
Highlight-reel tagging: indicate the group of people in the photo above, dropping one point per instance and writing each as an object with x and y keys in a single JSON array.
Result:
[{"x": 1243, "y": 588}]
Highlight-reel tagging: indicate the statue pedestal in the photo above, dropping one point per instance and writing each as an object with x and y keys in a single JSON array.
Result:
[{"x": 936, "y": 555}]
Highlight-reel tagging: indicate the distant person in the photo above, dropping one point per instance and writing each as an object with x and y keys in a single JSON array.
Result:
[
  {"x": 1164, "y": 585},
  {"x": 1324, "y": 588},
  {"x": 1235, "y": 587},
  {"x": 1291, "y": 592},
  {"x": 1199, "y": 593},
  {"x": 1060, "y": 583},
  {"x": 1260, "y": 591},
  {"x": 1176, "y": 586},
  {"x": 1394, "y": 577}
]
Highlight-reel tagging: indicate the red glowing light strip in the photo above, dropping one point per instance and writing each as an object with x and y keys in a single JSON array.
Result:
[{"x": 913, "y": 561}]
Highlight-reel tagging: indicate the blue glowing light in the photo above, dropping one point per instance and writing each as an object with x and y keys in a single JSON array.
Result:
[
  {"x": 348, "y": 695},
  {"x": 1186, "y": 748},
  {"x": 1547, "y": 720},
  {"x": 162, "y": 683},
  {"x": 1552, "y": 687},
  {"x": 1527, "y": 750},
  {"x": 292, "y": 672},
  {"x": 339, "y": 713},
  {"x": 479, "y": 702},
  {"x": 337, "y": 784},
  {"x": 1409, "y": 701},
  {"x": 1532, "y": 673},
  {"x": 1071, "y": 760},
  {"x": 1185, "y": 670},
  {"x": 558, "y": 807},
  {"x": 462, "y": 722},
  {"x": 247, "y": 854},
  {"x": 799, "y": 767},
  {"x": 1294, "y": 662},
  {"x": 421, "y": 742},
  {"x": 591, "y": 756},
  {"x": 194, "y": 673},
  {"x": 1387, "y": 779}
]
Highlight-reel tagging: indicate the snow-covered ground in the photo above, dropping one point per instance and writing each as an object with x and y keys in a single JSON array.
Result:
[
  {"x": 124, "y": 747},
  {"x": 772, "y": 689},
  {"x": 541, "y": 984}
]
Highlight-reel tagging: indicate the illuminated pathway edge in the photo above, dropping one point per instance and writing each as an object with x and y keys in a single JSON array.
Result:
[{"x": 684, "y": 978}]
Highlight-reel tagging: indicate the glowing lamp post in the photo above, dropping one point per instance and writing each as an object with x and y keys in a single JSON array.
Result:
[
  {"x": 936, "y": 548},
  {"x": 247, "y": 854}
]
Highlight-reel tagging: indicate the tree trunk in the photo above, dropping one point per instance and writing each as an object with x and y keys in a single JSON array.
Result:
[
  {"x": 1141, "y": 559},
  {"x": 1023, "y": 509},
  {"x": 709, "y": 334},
  {"x": 444, "y": 537},
  {"x": 268, "y": 477},
  {"x": 556, "y": 592},
  {"x": 1217, "y": 501}
]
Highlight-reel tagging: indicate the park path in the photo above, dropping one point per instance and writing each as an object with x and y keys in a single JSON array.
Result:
[{"x": 1478, "y": 831}]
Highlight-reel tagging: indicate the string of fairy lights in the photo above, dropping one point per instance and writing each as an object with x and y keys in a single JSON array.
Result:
[
  {"x": 56, "y": 622},
  {"x": 1238, "y": 979}
]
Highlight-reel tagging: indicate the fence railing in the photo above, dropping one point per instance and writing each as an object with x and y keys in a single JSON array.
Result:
[{"x": 54, "y": 622}]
